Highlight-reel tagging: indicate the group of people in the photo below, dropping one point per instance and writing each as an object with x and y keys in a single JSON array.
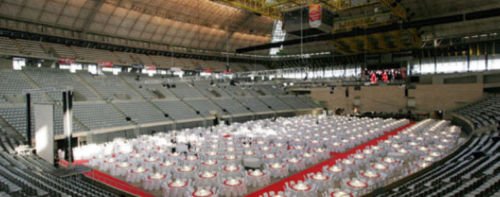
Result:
[{"x": 385, "y": 76}]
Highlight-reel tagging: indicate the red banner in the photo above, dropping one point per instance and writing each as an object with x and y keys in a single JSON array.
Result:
[
  {"x": 207, "y": 70},
  {"x": 107, "y": 64},
  {"x": 66, "y": 61},
  {"x": 150, "y": 67},
  {"x": 228, "y": 71},
  {"x": 314, "y": 15}
]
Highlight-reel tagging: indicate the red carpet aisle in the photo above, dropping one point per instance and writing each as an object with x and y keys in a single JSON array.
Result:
[
  {"x": 109, "y": 180},
  {"x": 280, "y": 185}
]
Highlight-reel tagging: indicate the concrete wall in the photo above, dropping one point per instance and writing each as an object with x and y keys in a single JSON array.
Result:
[
  {"x": 392, "y": 98},
  {"x": 445, "y": 96},
  {"x": 334, "y": 100},
  {"x": 382, "y": 98}
]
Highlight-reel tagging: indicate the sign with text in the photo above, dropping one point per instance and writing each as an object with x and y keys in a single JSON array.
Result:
[
  {"x": 107, "y": 64},
  {"x": 66, "y": 61},
  {"x": 315, "y": 15}
]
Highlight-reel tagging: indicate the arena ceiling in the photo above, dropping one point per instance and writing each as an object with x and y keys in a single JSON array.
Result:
[
  {"x": 227, "y": 25},
  {"x": 198, "y": 24}
]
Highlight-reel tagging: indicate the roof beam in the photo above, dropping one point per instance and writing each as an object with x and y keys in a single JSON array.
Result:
[{"x": 470, "y": 16}]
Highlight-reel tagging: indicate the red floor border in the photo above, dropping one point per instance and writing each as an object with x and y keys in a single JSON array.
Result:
[{"x": 109, "y": 180}]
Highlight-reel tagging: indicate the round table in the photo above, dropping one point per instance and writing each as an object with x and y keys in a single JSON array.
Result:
[
  {"x": 295, "y": 164},
  {"x": 177, "y": 188},
  {"x": 137, "y": 175},
  {"x": 207, "y": 179},
  {"x": 211, "y": 154},
  {"x": 322, "y": 154},
  {"x": 359, "y": 156},
  {"x": 310, "y": 158},
  {"x": 200, "y": 192},
  {"x": 108, "y": 164},
  {"x": 264, "y": 148},
  {"x": 389, "y": 160},
  {"x": 152, "y": 163},
  {"x": 356, "y": 185},
  {"x": 166, "y": 167},
  {"x": 121, "y": 169},
  {"x": 249, "y": 153},
  {"x": 258, "y": 178},
  {"x": 185, "y": 172},
  {"x": 230, "y": 159},
  {"x": 154, "y": 181},
  {"x": 269, "y": 157},
  {"x": 335, "y": 169},
  {"x": 301, "y": 189},
  {"x": 379, "y": 166},
  {"x": 209, "y": 165},
  {"x": 278, "y": 170},
  {"x": 321, "y": 180},
  {"x": 231, "y": 170},
  {"x": 369, "y": 175},
  {"x": 136, "y": 158},
  {"x": 233, "y": 187},
  {"x": 191, "y": 160},
  {"x": 174, "y": 156},
  {"x": 339, "y": 193}
]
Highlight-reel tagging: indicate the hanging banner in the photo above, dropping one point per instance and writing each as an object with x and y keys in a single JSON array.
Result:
[
  {"x": 66, "y": 61},
  {"x": 106, "y": 64},
  {"x": 315, "y": 15},
  {"x": 207, "y": 70},
  {"x": 150, "y": 67},
  {"x": 227, "y": 72},
  {"x": 138, "y": 66}
]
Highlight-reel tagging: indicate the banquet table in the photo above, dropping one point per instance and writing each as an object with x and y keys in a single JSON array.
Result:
[
  {"x": 209, "y": 165},
  {"x": 176, "y": 188},
  {"x": 207, "y": 179},
  {"x": 185, "y": 172},
  {"x": 233, "y": 187},
  {"x": 136, "y": 175},
  {"x": 151, "y": 163},
  {"x": 107, "y": 164},
  {"x": 202, "y": 192},
  {"x": 121, "y": 169},
  {"x": 231, "y": 170},
  {"x": 339, "y": 193},
  {"x": 231, "y": 159},
  {"x": 370, "y": 176},
  {"x": 295, "y": 164},
  {"x": 154, "y": 182},
  {"x": 320, "y": 180},
  {"x": 278, "y": 170},
  {"x": 301, "y": 189},
  {"x": 356, "y": 186},
  {"x": 191, "y": 160},
  {"x": 310, "y": 158},
  {"x": 258, "y": 178},
  {"x": 166, "y": 167}
]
